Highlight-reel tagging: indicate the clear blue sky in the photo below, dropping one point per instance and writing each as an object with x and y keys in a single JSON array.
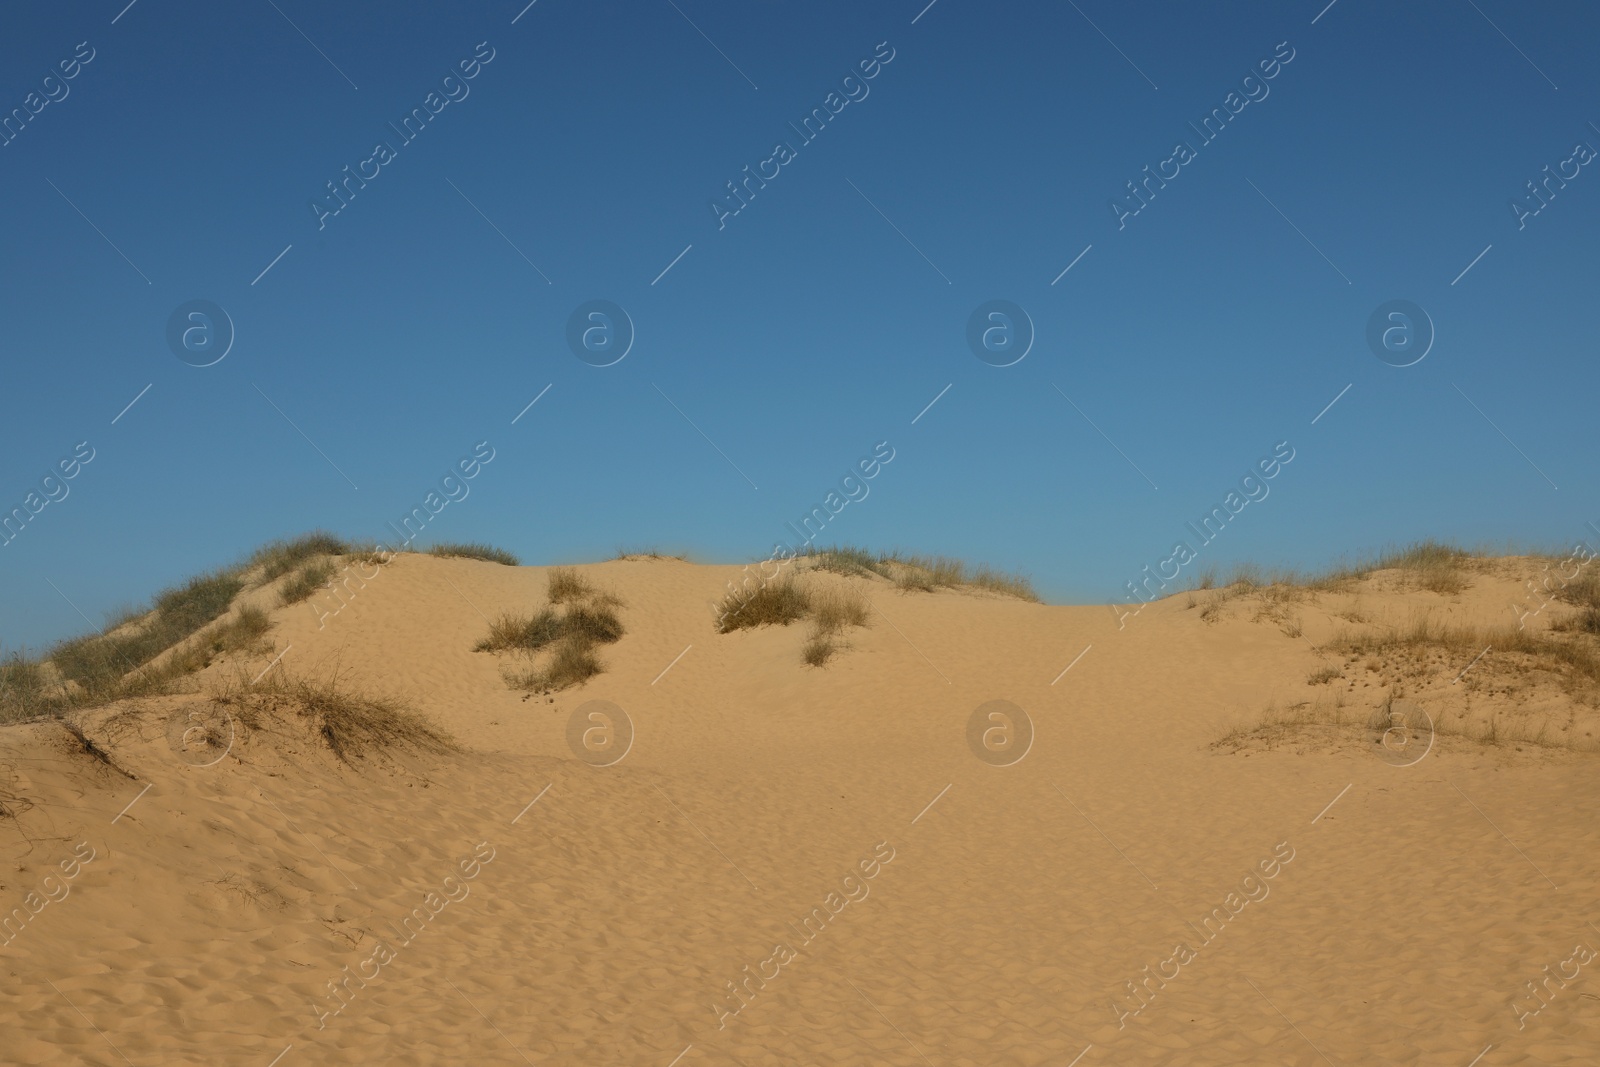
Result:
[{"x": 825, "y": 315}]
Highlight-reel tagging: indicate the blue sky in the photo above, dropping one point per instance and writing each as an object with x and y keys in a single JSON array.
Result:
[{"x": 583, "y": 158}]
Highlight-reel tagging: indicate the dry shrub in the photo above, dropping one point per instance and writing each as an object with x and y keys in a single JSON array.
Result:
[
  {"x": 1324, "y": 675},
  {"x": 24, "y": 690}
]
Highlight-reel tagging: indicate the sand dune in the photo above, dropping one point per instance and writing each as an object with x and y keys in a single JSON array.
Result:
[{"x": 1201, "y": 858}]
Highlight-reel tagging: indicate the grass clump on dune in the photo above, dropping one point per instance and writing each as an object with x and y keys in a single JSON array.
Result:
[
  {"x": 567, "y": 586},
  {"x": 98, "y": 662},
  {"x": 89, "y": 674},
  {"x": 921, "y": 574},
  {"x": 278, "y": 558},
  {"x": 773, "y": 604},
  {"x": 558, "y": 641},
  {"x": 475, "y": 550},
  {"x": 1584, "y": 594},
  {"x": 307, "y": 580},
  {"x": 24, "y": 689},
  {"x": 351, "y": 724},
  {"x": 832, "y": 610}
]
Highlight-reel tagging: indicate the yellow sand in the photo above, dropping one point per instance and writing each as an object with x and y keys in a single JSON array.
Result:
[{"x": 965, "y": 913}]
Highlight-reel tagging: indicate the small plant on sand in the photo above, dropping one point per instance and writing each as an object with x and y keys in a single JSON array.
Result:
[
  {"x": 1324, "y": 675},
  {"x": 819, "y": 648}
]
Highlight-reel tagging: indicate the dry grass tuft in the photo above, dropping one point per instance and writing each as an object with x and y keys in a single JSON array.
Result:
[
  {"x": 773, "y": 604},
  {"x": 572, "y": 662},
  {"x": 567, "y": 584},
  {"x": 920, "y": 574},
  {"x": 837, "y": 608},
  {"x": 352, "y": 725},
  {"x": 98, "y": 664},
  {"x": 1324, "y": 675},
  {"x": 819, "y": 648},
  {"x": 278, "y": 558},
  {"x": 832, "y": 609},
  {"x": 475, "y": 550},
  {"x": 306, "y": 580},
  {"x": 529, "y": 633},
  {"x": 567, "y": 638}
]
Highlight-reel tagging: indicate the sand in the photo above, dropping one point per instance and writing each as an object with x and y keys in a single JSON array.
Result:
[{"x": 1290, "y": 898}]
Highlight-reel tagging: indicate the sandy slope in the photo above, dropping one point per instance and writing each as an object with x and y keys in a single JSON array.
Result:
[{"x": 1005, "y": 910}]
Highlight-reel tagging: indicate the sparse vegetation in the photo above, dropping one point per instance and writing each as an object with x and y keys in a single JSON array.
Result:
[
  {"x": 98, "y": 663},
  {"x": 278, "y": 558},
  {"x": 23, "y": 689},
  {"x": 475, "y": 550},
  {"x": 566, "y": 638},
  {"x": 649, "y": 552},
  {"x": 1324, "y": 675},
  {"x": 1576, "y": 659},
  {"x": 306, "y": 580},
  {"x": 1334, "y": 718},
  {"x": 923, "y": 574},
  {"x": 832, "y": 609},
  {"x": 349, "y": 723}
]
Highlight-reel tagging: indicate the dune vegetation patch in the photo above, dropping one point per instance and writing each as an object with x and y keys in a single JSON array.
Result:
[
  {"x": 305, "y": 581},
  {"x": 1403, "y": 731},
  {"x": 1434, "y": 566},
  {"x": 556, "y": 645},
  {"x": 1506, "y": 650},
  {"x": 921, "y": 574},
  {"x": 475, "y": 550},
  {"x": 832, "y": 608},
  {"x": 98, "y": 663},
  {"x": 1584, "y": 595},
  {"x": 1489, "y": 685},
  {"x": 277, "y": 558},
  {"x": 350, "y": 724},
  {"x": 776, "y": 603},
  {"x": 649, "y": 552}
]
